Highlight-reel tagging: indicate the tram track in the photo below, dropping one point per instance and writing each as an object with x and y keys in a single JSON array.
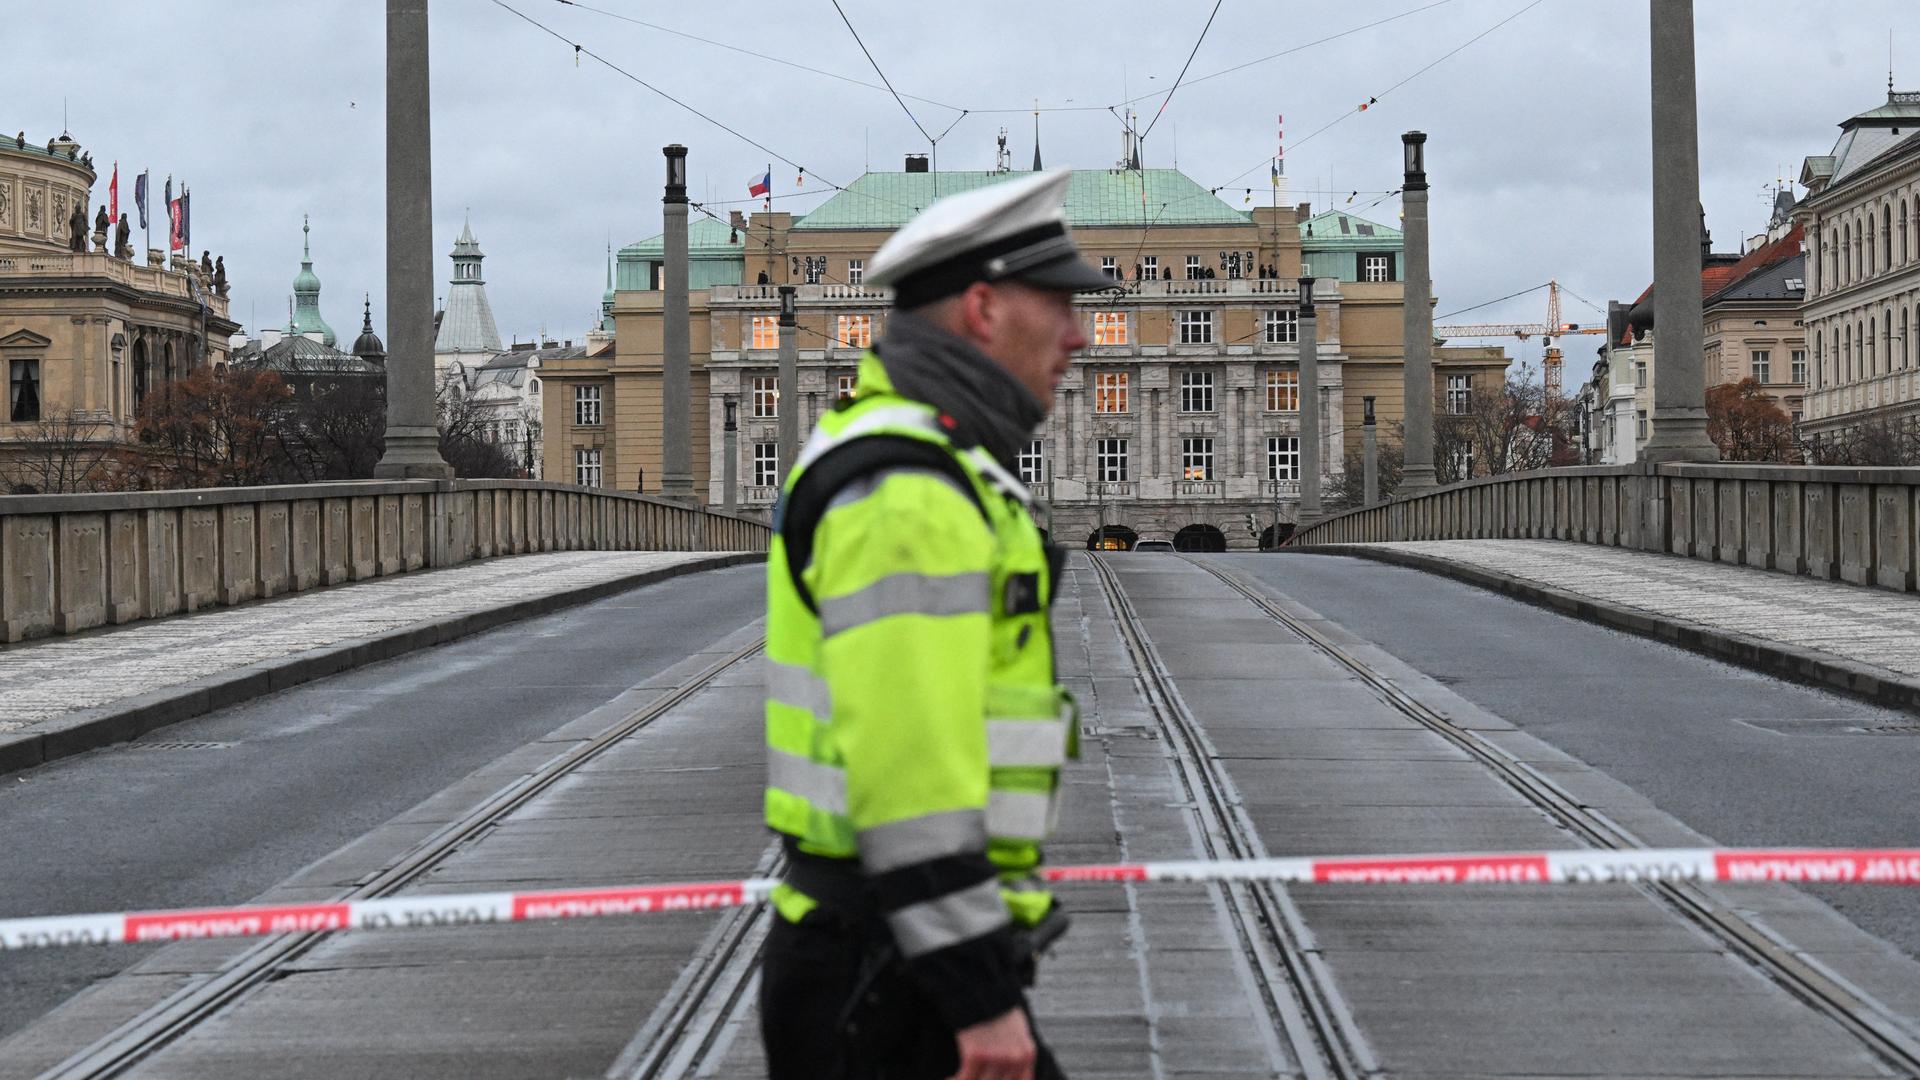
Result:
[
  {"x": 193, "y": 1005},
  {"x": 1771, "y": 956}
]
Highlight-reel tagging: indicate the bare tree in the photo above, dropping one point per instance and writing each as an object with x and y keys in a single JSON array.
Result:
[
  {"x": 1348, "y": 490},
  {"x": 1882, "y": 441},
  {"x": 464, "y": 442},
  {"x": 58, "y": 454}
]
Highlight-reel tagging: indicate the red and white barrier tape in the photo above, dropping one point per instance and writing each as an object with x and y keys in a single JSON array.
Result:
[{"x": 1865, "y": 866}]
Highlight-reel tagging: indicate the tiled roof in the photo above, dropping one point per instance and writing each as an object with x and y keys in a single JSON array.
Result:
[
  {"x": 466, "y": 324},
  {"x": 1758, "y": 259},
  {"x": 886, "y": 200},
  {"x": 1782, "y": 280}
]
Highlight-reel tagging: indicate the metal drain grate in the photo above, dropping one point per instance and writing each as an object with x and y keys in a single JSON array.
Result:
[{"x": 175, "y": 744}]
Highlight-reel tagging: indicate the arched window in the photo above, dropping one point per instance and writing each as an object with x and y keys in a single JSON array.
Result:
[
  {"x": 1904, "y": 354},
  {"x": 1846, "y": 354},
  {"x": 167, "y": 362},
  {"x": 1872, "y": 365},
  {"x": 1867, "y": 267},
  {"x": 139, "y": 372},
  {"x": 1819, "y": 358},
  {"x": 1903, "y": 232},
  {"x": 1886, "y": 236},
  {"x": 1846, "y": 253}
]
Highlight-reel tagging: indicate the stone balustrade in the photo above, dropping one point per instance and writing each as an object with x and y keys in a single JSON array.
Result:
[
  {"x": 1846, "y": 524},
  {"x": 70, "y": 562}
]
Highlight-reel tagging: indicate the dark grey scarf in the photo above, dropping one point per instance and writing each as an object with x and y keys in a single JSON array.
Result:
[{"x": 926, "y": 363}]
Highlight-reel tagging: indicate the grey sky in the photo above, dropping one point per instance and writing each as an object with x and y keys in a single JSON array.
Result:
[{"x": 1539, "y": 152}]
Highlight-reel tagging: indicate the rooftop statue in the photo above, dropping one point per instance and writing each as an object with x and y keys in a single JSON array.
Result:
[
  {"x": 77, "y": 228},
  {"x": 122, "y": 244}
]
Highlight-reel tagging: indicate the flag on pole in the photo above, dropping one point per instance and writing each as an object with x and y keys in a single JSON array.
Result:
[
  {"x": 113, "y": 194},
  {"x": 166, "y": 203},
  {"x": 176, "y": 218},
  {"x": 762, "y": 184},
  {"x": 140, "y": 197}
]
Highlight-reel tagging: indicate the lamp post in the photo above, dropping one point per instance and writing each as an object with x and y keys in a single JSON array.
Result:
[
  {"x": 676, "y": 380},
  {"x": 1369, "y": 442},
  {"x": 1416, "y": 326},
  {"x": 1309, "y": 406},
  {"x": 730, "y": 471},
  {"x": 789, "y": 382}
]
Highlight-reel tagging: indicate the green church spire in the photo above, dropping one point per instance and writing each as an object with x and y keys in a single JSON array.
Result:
[{"x": 306, "y": 291}]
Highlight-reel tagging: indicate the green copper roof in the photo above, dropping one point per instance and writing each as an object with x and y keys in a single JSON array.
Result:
[
  {"x": 886, "y": 200},
  {"x": 705, "y": 237},
  {"x": 306, "y": 292},
  {"x": 1336, "y": 231}
]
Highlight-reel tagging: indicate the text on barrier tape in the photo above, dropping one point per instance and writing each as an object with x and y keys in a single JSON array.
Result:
[{"x": 1865, "y": 866}]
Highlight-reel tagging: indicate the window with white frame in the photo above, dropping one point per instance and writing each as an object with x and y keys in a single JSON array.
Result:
[
  {"x": 766, "y": 332},
  {"x": 766, "y": 464},
  {"x": 1376, "y": 268},
  {"x": 1109, "y": 328},
  {"x": 1150, "y": 268},
  {"x": 1761, "y": 364},
  {"x": 856, "y": 331},
  {"x": 1281, "y": 325},
  {"x": 843, "y": 385},
  {"x": 1283, "y": 457},
  {"x": 1109, "y": 391},
  {"x": 586, "y": 406},
  {"x": 1640, "y": 373},
  {"x": 1459, "y": 393},
  {"x": 1110, "y": 460},
  {"x": 1193, "y": 266},
  {"x": 1640, "y": 423},
  {"x": 1033, "y": 462},
  {"x": 586, "y": 466},
  {"x": 766, "y": 397},
  {"x": 1196, "y": 391},
  {"x": 1196, "y": 458},
  {"x": 1108, "y": 267},
  {"x": 856, "y": 271},
  {"x": 1196, "y": 328},
  {"x": 1283, "y": 391}
]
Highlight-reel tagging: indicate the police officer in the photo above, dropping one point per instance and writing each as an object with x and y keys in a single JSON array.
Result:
[{"x": 915, "y": 730}]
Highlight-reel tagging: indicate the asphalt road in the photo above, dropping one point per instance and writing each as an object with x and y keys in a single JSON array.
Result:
[
  {"x": 310, "y": 769},
  {"x": 1744, "y": 758}
]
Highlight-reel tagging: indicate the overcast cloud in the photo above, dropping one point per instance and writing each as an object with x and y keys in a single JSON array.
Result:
[{"x": 1539, "y": 150}]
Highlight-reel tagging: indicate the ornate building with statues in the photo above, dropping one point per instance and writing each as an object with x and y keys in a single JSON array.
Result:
[{"x": 88, "y": 327}]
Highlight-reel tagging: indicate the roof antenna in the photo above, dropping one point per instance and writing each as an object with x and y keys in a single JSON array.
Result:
[{"x": 1889, "y": 63}]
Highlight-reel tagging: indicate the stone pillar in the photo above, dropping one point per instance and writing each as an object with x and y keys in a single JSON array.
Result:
[
  {"x": 1371, "y": 451},
  {"x": 1679, "y": 386},
  {"x": 676, "y": 378},
  {"x": 789, "y": 383},
  {"x": 730, "y": 445},
  {"x": 413, "y": 430},
  {"x": 1416, "y": 326},
  {"x": 1309, "y": 407}
]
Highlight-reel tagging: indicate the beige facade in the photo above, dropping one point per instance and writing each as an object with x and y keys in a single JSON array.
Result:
[
  {"x": 1183, "y": 410},
  {"x": 84, "y": 336}
]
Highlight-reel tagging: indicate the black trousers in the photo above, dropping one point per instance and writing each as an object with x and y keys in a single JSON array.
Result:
[{"x": 814, "y": 1030}]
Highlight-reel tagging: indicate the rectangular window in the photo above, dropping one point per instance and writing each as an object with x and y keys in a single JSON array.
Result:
[
  {"x": 1640, "y": 423},
  {"x": 586, "y": 406},
  {"x": 1376, "y": 268},
  {"x": 1108, "y": 268},
  {"x": 1762, "y": 365},
  {"x": 816, "y": 268},
  {"x": 1459, "y": 393},
  {"x": 1283, "y": 391},
  {"x": 1283, "y": 457},
  {"x": 843, "y": 385},
  {"x": 1033, "y": 463},
  {"x": 1196, "y": 458},
  {"x": 23, "y": 391},
  {"x": 1282, "y": 326},
  {"x": 1196, "y": 328},
  {"x": 1110, "y": 391},
  {"x": 856, "y": 271},
  {"x": 766, "y": 464},
  {"x": 1640, "y": 373},
  {"x": 1150, "y": 268},
  {"x": 1109, "y": 328},
  {"x": 586, "y": 467},
  {"x": 856, "y": 331},
  {"x": 1112, "y": 461},
  {"x": 1799, "y": 357},
  {"x": 1193, "y": 266},
  {"x": 766, "y": 397},
  {"x": 1196, "y": 391},
  {"x": 766, "y": 332}
]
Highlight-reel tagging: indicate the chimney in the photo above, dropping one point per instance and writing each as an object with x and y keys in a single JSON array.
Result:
[
  {"x": 736, "y": 219},
  {"x": 916, "y": 163}
]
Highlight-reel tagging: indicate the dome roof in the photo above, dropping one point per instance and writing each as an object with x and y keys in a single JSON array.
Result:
[
  {"x": 306, "y": 292},
  {"x": 368, "y": 345}
]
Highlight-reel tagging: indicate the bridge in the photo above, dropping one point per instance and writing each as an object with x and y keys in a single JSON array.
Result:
[{"x": 1575, "y": 661}]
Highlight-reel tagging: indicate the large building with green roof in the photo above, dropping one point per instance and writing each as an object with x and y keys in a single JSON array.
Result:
[{"x": 1178, "y": 421}]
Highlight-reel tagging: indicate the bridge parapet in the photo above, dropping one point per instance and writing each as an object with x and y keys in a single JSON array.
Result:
[
  {"x": 1846, "y": 524},
  {"x": 72, "y": 562}
]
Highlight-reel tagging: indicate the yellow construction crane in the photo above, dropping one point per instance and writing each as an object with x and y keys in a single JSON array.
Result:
[{"x": 1550, "y": 329}]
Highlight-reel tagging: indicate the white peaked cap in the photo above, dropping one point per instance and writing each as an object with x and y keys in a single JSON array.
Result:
[{"x": 1015, "y": 230}]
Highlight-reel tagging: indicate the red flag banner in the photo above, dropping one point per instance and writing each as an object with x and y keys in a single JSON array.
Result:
[{"x": 113, "y": 194}]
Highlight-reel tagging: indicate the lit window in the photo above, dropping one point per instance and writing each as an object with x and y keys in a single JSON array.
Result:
[
  {"x": 1283, "y": 457},
  {"x": 766, "y": 397},
  {"x": 1110, "y": 392},
  {"x": 766, "y": 464},
  {"x": 1196, "y": 328},
  {"x": 1111, "y": 461},
  {"x": 586, "y": 467},
  {"x": 856, "y": 331},
  {"x": 843, "y": 385},
  {"x": 1762, "y": 365},
  {"x": 1282, "y": 326},
  {"x": 1196, "y": 391},
  {"x": 1109, "y": 328},
  {"x": 1459, "y": 393},
  {"x": 586, "y": 406},
  {"x": 1108, "y": 268},
  {"x": 1033, "y": 463},
  {"x": 856, "y": 271},
  {"x": 1150, "y": 268},
  {"x": 1283, "y": 391},
  {"x": 1196, "y": 458},
  {"x": 766, "y": 331}
]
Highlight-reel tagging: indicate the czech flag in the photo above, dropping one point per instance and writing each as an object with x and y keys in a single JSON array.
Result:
[{"x": 762, "y": 184}]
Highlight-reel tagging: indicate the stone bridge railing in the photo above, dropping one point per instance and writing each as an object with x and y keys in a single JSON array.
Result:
[
  {"x": 70, "y": 562},
  {"x": 1856, "y": 525}
]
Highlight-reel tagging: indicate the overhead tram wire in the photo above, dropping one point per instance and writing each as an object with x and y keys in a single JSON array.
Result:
[
  {"x": 1490, "y": 303},
  {"x": 932, "y": 140},
  {"x": 1162, "y": 110}
]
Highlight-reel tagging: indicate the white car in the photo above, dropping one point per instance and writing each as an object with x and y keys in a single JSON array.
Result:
[{"x": 1154, "y": 545}]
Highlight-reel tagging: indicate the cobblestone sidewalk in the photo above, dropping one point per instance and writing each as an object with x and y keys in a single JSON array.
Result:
[
  {"x": 46, "y": 679},
  {"x": 1848, "y": 622}
]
